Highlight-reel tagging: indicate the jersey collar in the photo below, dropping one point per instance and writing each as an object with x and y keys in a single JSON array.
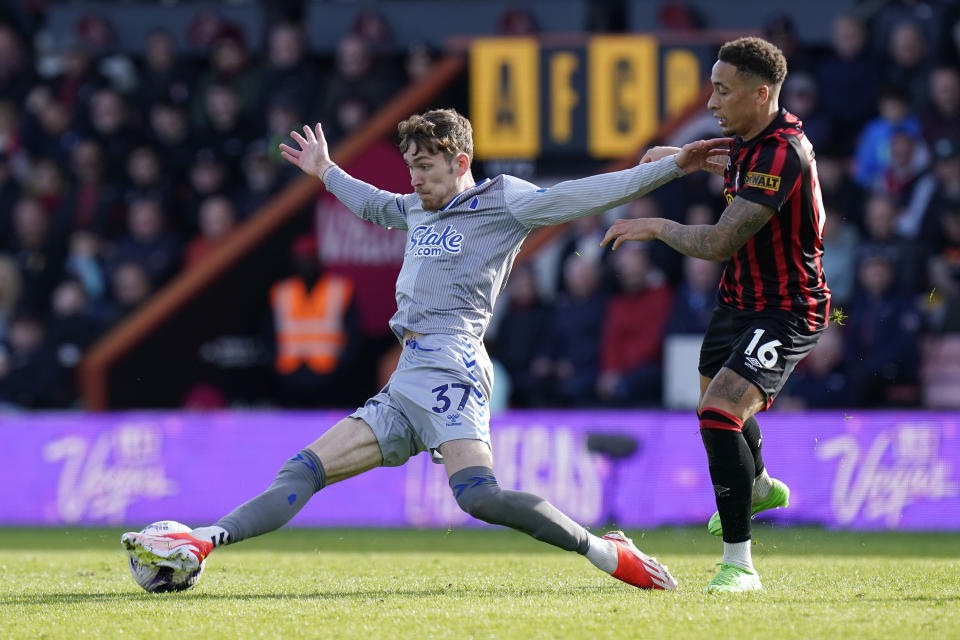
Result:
[{"x": 457, "y": 197}]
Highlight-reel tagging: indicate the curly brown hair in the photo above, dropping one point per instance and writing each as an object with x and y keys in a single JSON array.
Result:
[
  {"x": 755, "y": 56},
  {"x": 437, "y": 130}
]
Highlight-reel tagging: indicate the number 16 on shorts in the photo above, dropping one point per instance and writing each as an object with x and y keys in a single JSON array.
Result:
[{"x": 766, "y": 354}]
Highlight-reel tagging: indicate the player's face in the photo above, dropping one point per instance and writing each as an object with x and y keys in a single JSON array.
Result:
[
  {"x": 432, "y": 175},
  {"x": 735, "y": 101}
]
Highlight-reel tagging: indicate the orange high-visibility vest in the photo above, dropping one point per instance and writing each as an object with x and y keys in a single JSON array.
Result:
[{"x": 309, "y": 325}]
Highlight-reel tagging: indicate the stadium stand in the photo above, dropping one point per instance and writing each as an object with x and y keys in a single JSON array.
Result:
[{"x": 143, "y": 205}]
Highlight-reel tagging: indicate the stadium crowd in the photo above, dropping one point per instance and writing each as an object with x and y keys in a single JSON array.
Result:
[{"x": 118, "y": 172}]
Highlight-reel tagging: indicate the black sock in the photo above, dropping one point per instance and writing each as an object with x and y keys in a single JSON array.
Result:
[
  {"x": 751, "y": 433},
  {"x": 731, "y": 471}
]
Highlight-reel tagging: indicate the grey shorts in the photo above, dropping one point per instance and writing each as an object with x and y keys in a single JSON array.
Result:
[{"x": 439, "y": 392}]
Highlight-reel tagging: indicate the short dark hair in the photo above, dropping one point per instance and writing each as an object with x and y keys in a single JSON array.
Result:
[
  {"x": 438, "y": 130},
  {"x": 755, "y": 56}
]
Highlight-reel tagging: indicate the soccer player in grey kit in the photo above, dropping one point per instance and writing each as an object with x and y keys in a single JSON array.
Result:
[{"x": 462, "y": 238}]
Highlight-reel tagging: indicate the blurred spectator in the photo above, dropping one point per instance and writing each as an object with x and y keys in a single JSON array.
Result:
[
  {"x": 169, "y": 133},
  {"x": 146, "y": 175},
  {"x": 130, "y": 287},
  {"x": 78, "y": 79},
  {"x": 801, "y": 97},
  {"x": 906, "y": 177},
  {"x": 909, "y": 63},
  {"x": 522, "y": 336},
  {"x": 633, "y": 330},
  {"x": 315, "y": 333},
  {"x": 47, "y": 126},
  {"x": 218, "y": 218},
  {"x": 882, "y": 347},
  {"x": 262, "y": 179},
  {"x": 29, "y": 372},
  {"x": 73, "y": 328},
  {"x": 873, "y": 148},
  {"x": 228, "y": 131},
  {"x": 840, "y": 246},
  {"x": 880, "y": 221},
  {"x": 943, "y": 267},
  {"x": 780, "y": 29},
  {"x": 85, "y": 264},
  {"x": 207, "y": 175},
  {"x": 946, "y": 169},
  {"x": 696, "y": 297},
  {"x": 517, "y": 22},
  {"x": 821, "y": 380},
  {"x": 848, "y": 75},
  {"x": 926, "y": 17},
  {"x": 418, "y": 61},
  {"x": 229, "y": 65},
  {"x": 842, "y": 196},
  {"x": 36, "y": 250},
  {"x": 676, "y": 15},
  {"x": 93, "y": 202},
  {"x": 374, "y": 29},
  {"x": 573, "y": 358},
  {"x": 47, "y": 184},
  {"x": 9, "y": 292},
  {"x": 164, "y": 76},
  {"x": 112, "y": 125},
  {"x": 16, "y": 72},
  {"x": 287, "y": 70},
  {"x": 147, "y": 242},
  {"x": 355, "y": 82},
  {"x": 96, "y": 34},
  {"x": 942, "y": 117}
]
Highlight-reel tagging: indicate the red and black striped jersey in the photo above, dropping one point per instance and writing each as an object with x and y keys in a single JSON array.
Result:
[{"x": 780, "y": 266}]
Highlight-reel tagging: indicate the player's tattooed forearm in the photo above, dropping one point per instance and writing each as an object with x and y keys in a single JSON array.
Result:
[
  {"x": 699, "y": 241},
  {"x": 739, "y": 222}
]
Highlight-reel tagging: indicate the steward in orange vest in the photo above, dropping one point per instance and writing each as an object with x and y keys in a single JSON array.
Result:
[{"x": 315, "y": 332}]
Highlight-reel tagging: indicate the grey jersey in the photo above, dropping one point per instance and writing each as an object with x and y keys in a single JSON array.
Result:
[{"x": 457, "y": 259}]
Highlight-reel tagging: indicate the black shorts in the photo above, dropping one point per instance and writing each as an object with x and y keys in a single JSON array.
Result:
[{"x": 762, "y": 346}]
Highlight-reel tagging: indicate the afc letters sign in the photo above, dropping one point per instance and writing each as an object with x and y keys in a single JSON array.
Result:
[{"x": 604, "y": 99}]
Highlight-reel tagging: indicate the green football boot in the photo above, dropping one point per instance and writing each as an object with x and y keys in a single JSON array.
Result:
[
  {"x": 732, "y": 578},
  {"x": 778, "y": 498}
]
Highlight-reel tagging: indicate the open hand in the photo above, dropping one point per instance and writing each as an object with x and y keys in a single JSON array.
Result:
[
  {"x": 704, "y": 154},
  {"x": 312, "y": 157},
  {"x": 640, "y": 229}
]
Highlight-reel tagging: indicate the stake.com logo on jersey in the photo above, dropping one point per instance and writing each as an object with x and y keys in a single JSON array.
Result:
[{"x": 427, "y": 241}]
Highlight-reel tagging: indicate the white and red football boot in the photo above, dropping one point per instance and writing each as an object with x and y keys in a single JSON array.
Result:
[
  {"x": 179, "y": 551},
  {"x": 637, "y": 568}
]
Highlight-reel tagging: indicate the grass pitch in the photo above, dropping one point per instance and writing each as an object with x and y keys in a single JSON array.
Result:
[{"x": 482, "y": 584}]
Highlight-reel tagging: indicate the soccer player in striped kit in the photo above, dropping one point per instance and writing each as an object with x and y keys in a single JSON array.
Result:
[
  {"x": 462, "y": 238},
  {"x": 773, "y": 300}
]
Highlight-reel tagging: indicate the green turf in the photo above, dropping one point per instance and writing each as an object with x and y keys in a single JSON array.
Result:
[{"x": 483, "y": 584}]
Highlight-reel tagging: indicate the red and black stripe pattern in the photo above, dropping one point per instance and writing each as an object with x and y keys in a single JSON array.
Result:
[{"x": 780, "y": 266}]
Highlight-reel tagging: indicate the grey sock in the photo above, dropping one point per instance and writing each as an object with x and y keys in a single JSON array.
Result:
[
  {"x": 478, "y": 493},
  {"x": 301, "y": 477}
]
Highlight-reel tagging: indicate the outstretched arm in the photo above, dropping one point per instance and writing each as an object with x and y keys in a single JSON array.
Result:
[
  {"x": 574, "y": 199},
  {"x": 717, "y": 242},
  {"x": 366, "y": 201}
]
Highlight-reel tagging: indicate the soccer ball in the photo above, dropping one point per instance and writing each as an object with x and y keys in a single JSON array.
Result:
[{"x": 164, "y": 579}]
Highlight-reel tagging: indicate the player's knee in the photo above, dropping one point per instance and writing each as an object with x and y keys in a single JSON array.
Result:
[{"x": 476, "y": 491}]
